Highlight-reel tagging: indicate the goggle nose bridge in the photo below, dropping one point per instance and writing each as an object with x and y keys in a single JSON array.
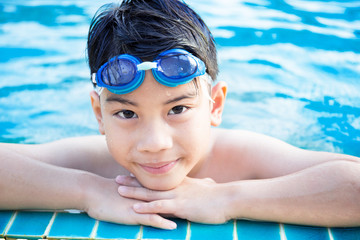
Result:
[{"x": 146, "y": 66}]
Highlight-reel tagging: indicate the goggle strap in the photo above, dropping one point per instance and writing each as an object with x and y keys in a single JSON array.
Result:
[
  {"x": 211, "y": 100},
  {"x": 208, "y": 81},
  {"x": 146, "y": 66},
  {"x": 93, "y": 78},
  {"x": 99, "y": 90},
  {"x": 208, "y": 78}
]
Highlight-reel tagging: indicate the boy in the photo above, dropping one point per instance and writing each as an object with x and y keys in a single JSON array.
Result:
[{"x": 151, "y": 64}]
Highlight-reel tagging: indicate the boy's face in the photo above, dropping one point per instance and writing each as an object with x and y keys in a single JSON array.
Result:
[{"x": 158, "y": 133}]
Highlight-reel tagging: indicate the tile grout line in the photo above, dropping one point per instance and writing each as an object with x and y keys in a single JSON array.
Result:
[
  {"x": 9, "y": 224},
  {"x": 51, "y": 222},
  {"x": 331, "y": 237},
  {"x": 188, "y": 231},
  {"x": 235, "y": 236},
  {"x": 94, "y": 230},
  {"x": 140, "y": 233},
  {"x": 282, "y": 232}
]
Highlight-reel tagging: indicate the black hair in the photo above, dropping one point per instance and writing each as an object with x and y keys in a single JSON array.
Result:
[{"x": 145, "y": 28}]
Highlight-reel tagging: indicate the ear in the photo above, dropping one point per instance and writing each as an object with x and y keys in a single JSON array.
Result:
[
  {"x": 95, "y": 103},
  {"x": 218, "y": 94}
]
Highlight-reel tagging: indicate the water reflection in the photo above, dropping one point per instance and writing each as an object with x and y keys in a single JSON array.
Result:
[
  {"x": 292, "y": 67},
  {"x": 340, "y": 122},
  {"x": 303, "y": 38},
  {"x": 47, "y": 15}
]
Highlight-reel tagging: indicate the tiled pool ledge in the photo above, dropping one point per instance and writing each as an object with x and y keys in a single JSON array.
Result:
[{"x": 64, "y": 225}]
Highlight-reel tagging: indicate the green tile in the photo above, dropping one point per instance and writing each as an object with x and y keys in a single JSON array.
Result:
[
  {"x": 297, "y": 232},
  {"x": 176, "y": 234},
  {"x": 346, "y": 233},
  {"x": 5, "y": 217},
  {"x": 72, "y": 226},
  {"x": 248, "y": 230},
  {"x": 108, "y": 230},
  {"x": 200, "y": 231},
  {"x": 29, "y": 225}
]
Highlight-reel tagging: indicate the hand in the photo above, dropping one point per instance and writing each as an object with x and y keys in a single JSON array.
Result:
[
  {"x": 104, "y": 203},
  {"x": 198, "y": 200}
]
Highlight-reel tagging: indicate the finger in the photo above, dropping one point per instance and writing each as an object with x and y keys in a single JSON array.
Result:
[
  {"x": 157, "y": 221},
  {"x": 160, "y": 206},
  {"x": 143, "y": 194},
  {"x": 127, "y": 181}
]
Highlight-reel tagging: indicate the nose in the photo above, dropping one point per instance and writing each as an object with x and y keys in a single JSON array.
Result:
[{"x": 155, "y": 137}]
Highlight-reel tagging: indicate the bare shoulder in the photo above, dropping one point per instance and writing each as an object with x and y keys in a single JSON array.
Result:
[
  {"x": 230, "y": 153},
  {"x": 89, "y": 153},
  {"x": 240, "y": 150},
  {"x": 264, "y": 156}
]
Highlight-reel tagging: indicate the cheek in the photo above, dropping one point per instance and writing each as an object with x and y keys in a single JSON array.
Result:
[
  {"x": 118, "y": 141},
  {"x": 196, "y": 134}
]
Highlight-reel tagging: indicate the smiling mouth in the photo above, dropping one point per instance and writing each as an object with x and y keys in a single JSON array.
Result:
[{"x": 159, "y": 168}]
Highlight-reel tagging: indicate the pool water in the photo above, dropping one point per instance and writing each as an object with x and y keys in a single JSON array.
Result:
[{"x": 292, "y": 66}]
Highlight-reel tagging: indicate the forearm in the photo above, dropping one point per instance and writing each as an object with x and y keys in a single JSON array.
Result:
[
  {"x": 29, "y": 184},
  {"x": 327, "y": 194},
  {"x": 88, "y": 153}
]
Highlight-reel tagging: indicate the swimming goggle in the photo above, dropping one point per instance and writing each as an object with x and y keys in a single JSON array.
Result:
[{"x": 125, "y": 73}]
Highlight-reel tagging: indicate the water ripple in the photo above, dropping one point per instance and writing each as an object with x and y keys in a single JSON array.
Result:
[{"x": 292, "y": 66}]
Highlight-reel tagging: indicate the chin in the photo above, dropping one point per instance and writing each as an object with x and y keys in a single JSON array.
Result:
[{"x": 161, "y": 184}]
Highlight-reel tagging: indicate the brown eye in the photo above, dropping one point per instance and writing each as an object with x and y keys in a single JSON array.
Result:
[
  {"x": 126, "y": 114},
  {"x": 178, "y": 110}
]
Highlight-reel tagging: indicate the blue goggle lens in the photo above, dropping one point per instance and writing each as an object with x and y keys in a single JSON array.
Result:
[
  {"x": 118, "y": 72},
  {"x": 178, "y": 66}
]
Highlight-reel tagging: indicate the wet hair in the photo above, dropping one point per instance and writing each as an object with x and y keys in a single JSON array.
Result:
[{"x": 145, "y": 28}]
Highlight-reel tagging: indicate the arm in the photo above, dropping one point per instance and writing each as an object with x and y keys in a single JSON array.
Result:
[
  {"x": 262, "y": 157},
  {"x": 88, "y": 153},
  {"x": 325, "y": 195},
  {"x": 292, "y": 185},
  {"x": 26, "y": 183},
  {"x": 296, "y": 185},
  {"x": 29, "y": 183}
]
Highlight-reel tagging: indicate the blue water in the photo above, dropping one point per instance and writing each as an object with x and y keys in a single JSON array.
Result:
[{"x": 292, "y": 66}]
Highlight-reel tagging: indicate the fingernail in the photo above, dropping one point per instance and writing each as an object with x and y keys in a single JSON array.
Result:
[
  {"x": 118, "y": 179},
  {"x": 122, "y": 189},
  {"x": 172, "y": 225},
  {"x": 137, "y": 206}
]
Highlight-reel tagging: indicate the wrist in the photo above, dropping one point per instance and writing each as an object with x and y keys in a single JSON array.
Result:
[
  {"x": 238, "y": 203},
  {"x": 86, "y": 188},
  {"x": 229, "y": 200}
]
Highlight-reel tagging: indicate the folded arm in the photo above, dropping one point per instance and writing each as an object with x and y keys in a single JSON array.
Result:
[
  {"x": 88, "y": 153},
  {"x": 27, "y": 183},
  {"x": 325, "y": 195},
  {"x": 298, "y": 186},
  {"x": 54, "y": 176},
  {"x": 288, "y": 184}
]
